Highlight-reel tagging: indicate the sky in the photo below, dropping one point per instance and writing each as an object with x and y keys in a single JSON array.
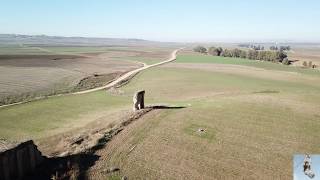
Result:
[{"x": 165, "y": 20}]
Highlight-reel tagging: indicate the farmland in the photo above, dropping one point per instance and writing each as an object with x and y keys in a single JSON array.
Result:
[
  {"x": 28, "y": 72},
  {"x": 255, "y": 115},
  {"x": 254, "y": 123}
]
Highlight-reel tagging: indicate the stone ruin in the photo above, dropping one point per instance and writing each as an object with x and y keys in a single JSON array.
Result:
[
  {"x": 19, "y": 160},
  {"x": 138, "y": 100}
]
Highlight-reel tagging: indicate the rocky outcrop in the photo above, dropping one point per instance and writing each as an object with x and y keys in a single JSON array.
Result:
[
  {"x": 138, "y": 100},
  {"x": 19, "y": 160}
]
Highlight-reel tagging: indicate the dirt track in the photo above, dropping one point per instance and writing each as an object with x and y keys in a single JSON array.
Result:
[
  {"x": 122, "y": 78},
  {"x": 131, "y": 73}
]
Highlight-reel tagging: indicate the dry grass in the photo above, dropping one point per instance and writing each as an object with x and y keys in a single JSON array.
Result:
[
  {"x": 254, "y": 124},
  {"x": 254, "y": 118}
]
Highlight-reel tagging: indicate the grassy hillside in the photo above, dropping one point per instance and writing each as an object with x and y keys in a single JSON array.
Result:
[
  {"x": 253, "y": 124},
  {"x": 57, "y": 114}
]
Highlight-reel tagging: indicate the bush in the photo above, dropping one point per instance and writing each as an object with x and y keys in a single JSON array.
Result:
[
  {"x": 200, "y": 49},
  {"x": 305, "y": 63},
  {"x": 286, "y": 61},
  {"x": 215, "y": 51}
]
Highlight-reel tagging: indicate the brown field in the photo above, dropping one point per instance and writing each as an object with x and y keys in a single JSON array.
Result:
[
  {"x": 306, "y": 53},
  {"x": 26, "y": 76}
]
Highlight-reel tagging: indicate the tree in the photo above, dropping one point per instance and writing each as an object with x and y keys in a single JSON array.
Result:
[
  {"x": 200, "y": 49},
  {"x": 226, "y": 53},
  {"x": 252, "y": 54},
  {"x": 214, "y": 51},
  {"x": 305, "y": 63},
  {"x": 285, "y": 48},
  {"x": 281, "y": 55},
  {"x": 236, "y": 53},
  {"x": 273, "y": 48},
  {"x": 219, "y": 51},
  {"x": 243, "y": 54},
  {"x": 286, "y": 61}
]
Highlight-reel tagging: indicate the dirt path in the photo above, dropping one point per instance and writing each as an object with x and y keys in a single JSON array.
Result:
[
  {"x": 131, "y": 73},
  {"x": 122, "y": 78}
]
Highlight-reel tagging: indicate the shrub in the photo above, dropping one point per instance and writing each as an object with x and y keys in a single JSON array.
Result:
[
  {"x": 305, "y": 63},
  {"x": 285, "y": 61},
  {"x": 200, "y": 49}
]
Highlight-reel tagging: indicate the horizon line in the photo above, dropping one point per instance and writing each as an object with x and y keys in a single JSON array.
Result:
[{"x": 210, "y": 40}]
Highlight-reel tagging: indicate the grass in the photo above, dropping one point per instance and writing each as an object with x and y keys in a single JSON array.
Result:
[
  {"x": 39, "y": 118},
  {"x": 244, "y": 62},
  {"x": 193, "y": 130},
  {"x": 184, "y": 84},
  {"x": 252, "y": 124}
]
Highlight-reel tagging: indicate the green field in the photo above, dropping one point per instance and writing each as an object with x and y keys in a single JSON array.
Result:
[
  {"x": 245, "y": 62},
  {"x": 253, "y": 125},
  {"x": 57, "y": 114}
]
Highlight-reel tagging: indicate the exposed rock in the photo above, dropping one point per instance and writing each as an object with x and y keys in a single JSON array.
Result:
[
  {"x": 19, "y": 160},
  {"x": 138, "y": 100}
]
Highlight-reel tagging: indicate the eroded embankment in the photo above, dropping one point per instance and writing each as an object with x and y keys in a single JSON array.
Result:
[{"x": 73, "y": 155}]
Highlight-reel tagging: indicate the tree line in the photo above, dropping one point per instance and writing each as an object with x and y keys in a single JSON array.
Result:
[
  {"x": 262, "y": 55},
  {"x": 254, "y": 47},
  {"x": 280, "y": 48}
]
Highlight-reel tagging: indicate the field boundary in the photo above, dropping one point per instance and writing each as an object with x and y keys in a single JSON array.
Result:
[{"x": 123, "y": 78}]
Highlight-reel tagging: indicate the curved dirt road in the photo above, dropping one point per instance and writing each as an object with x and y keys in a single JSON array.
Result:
[
  {"x": 113, "y": 83},
  {"x": 131, "y": 73}
]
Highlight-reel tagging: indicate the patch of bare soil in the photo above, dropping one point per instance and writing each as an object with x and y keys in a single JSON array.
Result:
[{"x": 96, "y": 80}]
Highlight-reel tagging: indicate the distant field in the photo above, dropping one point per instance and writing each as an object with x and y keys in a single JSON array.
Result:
[
  {"x": 151, "y": 56},
  {"x": 239, "y": 61},
  {"x": 306, "y": 54},
  {"x": 21, "y": 50},
  {"x": 27, "y": 72}
]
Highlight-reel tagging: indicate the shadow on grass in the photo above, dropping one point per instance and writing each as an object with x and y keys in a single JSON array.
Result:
[
  {"x": 68, "y": 167},
  {"x": 166, "y": 107},
  {"x": 266, "y": 92},
  {"x": 72, "y": 166}
]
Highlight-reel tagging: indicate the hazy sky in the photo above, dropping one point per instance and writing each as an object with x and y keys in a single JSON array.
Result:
[{"x": 165, "y": 20}]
